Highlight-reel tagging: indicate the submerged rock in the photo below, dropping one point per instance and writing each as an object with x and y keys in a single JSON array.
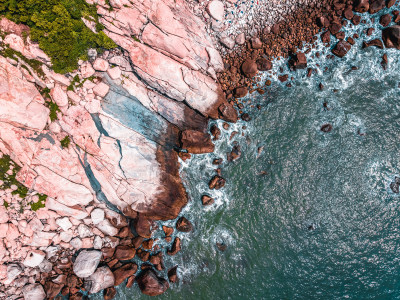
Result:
[
  {"x": 395, "y": 186},
  {"x": 207, "y": 200},
  {"x": 150, "y": 284},
  {"x": 184, "y": 225},
  {"x": 176, "y": 247},
  {"x": 326, "y": 128},
  {"x": 172, "y": 274},
  {"x": 234, "y": 154},
  {"x": 341, "y": 48},
  {"x": 217, "y": 182},
  {"x": 298, "y": 61},
  {"x": 109, "y": 293},
  {"x": 391, "y": 36}
]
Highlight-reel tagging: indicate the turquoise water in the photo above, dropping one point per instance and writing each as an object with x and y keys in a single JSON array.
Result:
[{"x": 312, "y": 215}]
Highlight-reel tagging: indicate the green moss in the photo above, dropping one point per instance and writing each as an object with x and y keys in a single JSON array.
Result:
[
  {"x": 65, "y": 142},
  {"x": 58, "y": 28},
  {"x": 10, "y": 179},
  {"x": 135, "y": 38},
  {"x": 40, "y": 204},
  {"x": 53, "y": 110},
  {"x": 34, "y": 64}
]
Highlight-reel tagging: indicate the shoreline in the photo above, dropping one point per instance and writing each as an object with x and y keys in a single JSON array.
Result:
[{"x": 127, "y": 246}]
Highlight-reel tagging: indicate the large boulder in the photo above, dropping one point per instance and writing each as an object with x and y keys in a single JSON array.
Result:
[
  {"x": 249, "y": 68},
  {"x": 124, "y": 272},
  {"x": 124, "y": 252},
  {"x": 101, "y": 279},
  {"x": 184, "y": 225},
  {"x": 361, "y": 6},
  {"x": 86, "y": 263},
  {"x": 34, "y": 291},
  {"x": 299, "y": 61},
  {"x": 341, "y": 48},
  {"x": 150, "y": 284},
  {"x": 196, "y": 142},
  {"x": 391, "y": 37}
]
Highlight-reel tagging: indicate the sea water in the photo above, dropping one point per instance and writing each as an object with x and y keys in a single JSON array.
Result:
[{"x": 304, "y": 214}]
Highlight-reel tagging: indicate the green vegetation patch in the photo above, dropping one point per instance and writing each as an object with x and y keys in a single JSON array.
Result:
[
  {"x": 65, "y": 142},
  {"x": 8, "y": 173},
  {"x": 34, "y": 64},
  {"x": 53, "y": 110},
  {"x": 59, "y": 29}
]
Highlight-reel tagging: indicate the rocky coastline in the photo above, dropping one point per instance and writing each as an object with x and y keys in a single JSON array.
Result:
[{"x": 90, "y": 159}]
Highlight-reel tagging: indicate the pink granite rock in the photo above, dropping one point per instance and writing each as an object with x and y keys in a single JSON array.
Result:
[
  {"x": 87, "y": 70},
  {"x": 101, "y": 89},
  {"x": 59, "y": 96},
  {"x": 100, "y": 65},
  {"x": 114, "y": 73}
]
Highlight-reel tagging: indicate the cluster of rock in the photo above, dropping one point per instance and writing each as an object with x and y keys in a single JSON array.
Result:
[
  {"x": 125, "y": 113},
  {"x": 285, "y": 39},
  {"x": 231, "y": 22}
]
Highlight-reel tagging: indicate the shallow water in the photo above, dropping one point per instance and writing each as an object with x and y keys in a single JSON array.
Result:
[{"x": 337, "y": 183}]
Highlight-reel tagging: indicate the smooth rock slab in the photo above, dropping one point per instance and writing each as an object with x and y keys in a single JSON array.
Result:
[
  {"x": 216, "y": 10},
  {"x": 34, "y": 292},
  {"x": 86, "y": 263},
  {"x": 34, "y": 258},
  {"x": 101, "y": 279}
]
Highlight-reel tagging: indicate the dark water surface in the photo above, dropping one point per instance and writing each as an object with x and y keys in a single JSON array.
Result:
[{"x": 336, "y": 184}]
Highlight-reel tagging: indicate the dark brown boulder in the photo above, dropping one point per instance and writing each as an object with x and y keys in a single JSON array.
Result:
[
  {"x": 143, "y": 226},
  {"x": 217, "y": 161},
  {"x": 150, "y": 284},
  {"x": 172, "y": 274},
  {"x": 217, "y": 182},
  {"x": 184, "y": 155},
  {"x": 361, "y": 6},
  {"x": 124, "y": 252},
  {"x": 348, "y": 13},
  {"x": 109, "y": 293},
  {"x": 391, "y": 36},
  {"x": 335, "y": 28},
  {"x": 130, "y": 281},
  {"x": 326, "y": 128},
  {"x": 283, "y": 78},
  {"x": 227, "y": 112},
  {"x": 298, "y": 61},
  {"x": 245, "y": 117},
  {"x": 356, "y": 19},
  {"x": 385, "y": 20},
  {"x": 341, "y": 48},
  {"x": 196, "y": 142},
  {"x": 168, "y": 230},
  {"x": 256, "y": 43},
  {"x": 241, "y": 92},
  {"x": 124, "y": 272},
  {"x": 148, "y": 244},
  {"x": 176, "y": 247},
  {"x": 52, "y": 289},
  {"x": 221, "y": 246},
  {"x": 376, "y": 6},
  {"x": 137, "y": 241},
  {"x": 326, "y": 37},
  {"x": 263, "y": 64},
  {"x": 156, "y": 259},
  {"x": 215, "y": 132},
  {"x": 376, "y": 42},
  {"x": 234, "y": 154},
  {"x": 323, "y": 22},
  {"x": 207, "y": 200},
  {"x": 143, "y": 255},
  {"x": 184, "y": 225},
  {"x": 249, "y": 68}
]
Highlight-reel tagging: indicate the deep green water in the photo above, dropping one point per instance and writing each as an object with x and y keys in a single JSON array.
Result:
[{"x": 338, "y": 182}]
